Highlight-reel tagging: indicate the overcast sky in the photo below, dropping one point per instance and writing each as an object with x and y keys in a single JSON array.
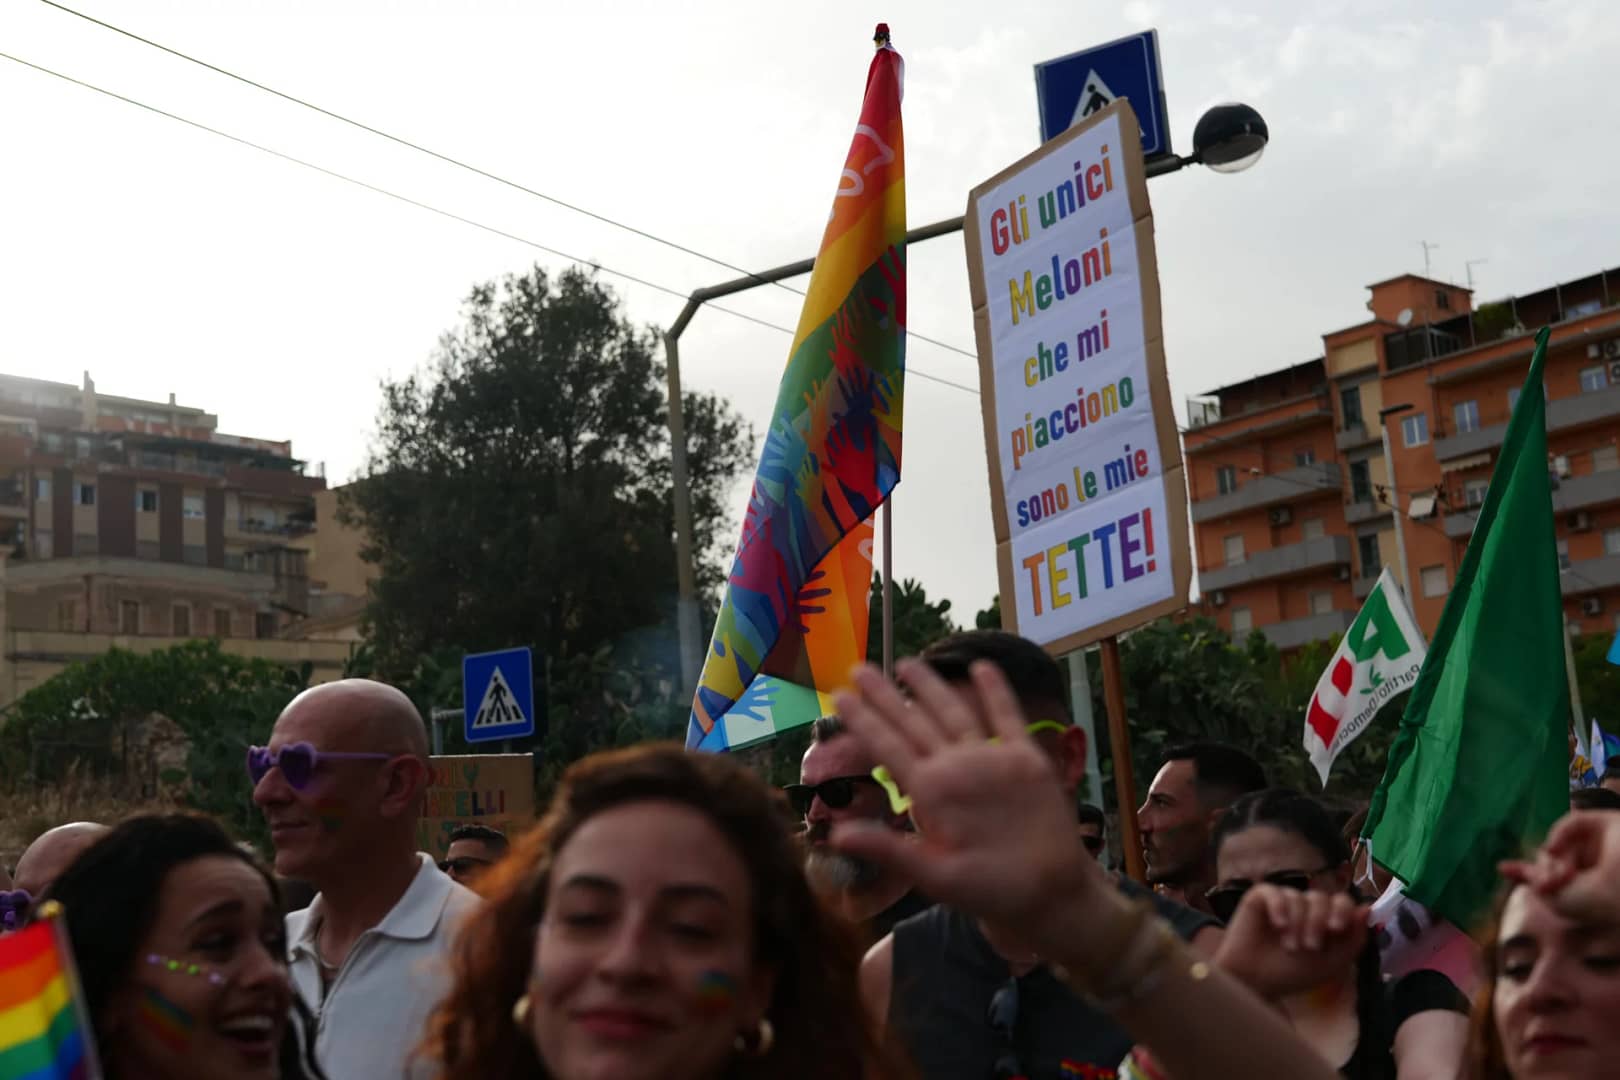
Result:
[{"x": 161, "y": 258}]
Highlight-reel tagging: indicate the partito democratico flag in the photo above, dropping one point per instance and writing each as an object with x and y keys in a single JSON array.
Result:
[{"x": 1378, "y": 658}]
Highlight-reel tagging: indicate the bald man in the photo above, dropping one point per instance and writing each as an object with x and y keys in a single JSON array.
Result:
[
  {"x": 341, "y": 786},
  {"x": 43, "y": 861}
]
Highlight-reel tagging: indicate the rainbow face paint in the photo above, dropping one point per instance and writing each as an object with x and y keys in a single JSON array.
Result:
[
  {"x": 330, "y": 813},
  {"x": 169, "y": 1022},
  {"x": 716, "y": 992},
  {"x": 178, "y": 967}
]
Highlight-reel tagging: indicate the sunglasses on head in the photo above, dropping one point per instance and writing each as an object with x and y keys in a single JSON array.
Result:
[
  {"x": 297, "y": 762},
  {"x": 837, "y": 793},
  {"x": 1002, "y": 1016},
  {"x": 1224, "y": 899}
]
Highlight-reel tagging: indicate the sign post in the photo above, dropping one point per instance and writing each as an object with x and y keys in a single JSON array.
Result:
[
  {"x": 497, "y": 695},
  {"x": 1089, "y": 498},
  {"x": 1074, "y": 88}
]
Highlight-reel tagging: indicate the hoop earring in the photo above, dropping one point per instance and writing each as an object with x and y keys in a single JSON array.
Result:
[
  {"x": 520, "y": 1011},
  {"x": 760, "y": 1044}
]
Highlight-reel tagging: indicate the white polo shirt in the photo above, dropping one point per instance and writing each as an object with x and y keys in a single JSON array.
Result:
[{"x": 375, "y": 1011}]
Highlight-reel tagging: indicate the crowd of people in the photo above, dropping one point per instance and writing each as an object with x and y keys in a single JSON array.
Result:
[{"x": 937, "y": 908}]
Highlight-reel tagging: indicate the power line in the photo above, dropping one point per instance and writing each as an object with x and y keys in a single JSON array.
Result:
[
  {"x": 457, "y": 162},
  {"x": 434, "y": 209}
]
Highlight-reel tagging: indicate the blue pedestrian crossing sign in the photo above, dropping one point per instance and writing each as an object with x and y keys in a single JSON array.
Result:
[
  {"x": 497, "y": 695},
  {"x": 1072, "y": 88}
]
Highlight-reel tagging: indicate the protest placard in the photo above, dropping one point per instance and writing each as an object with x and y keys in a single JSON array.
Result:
[{"x": 476, "y": 789}]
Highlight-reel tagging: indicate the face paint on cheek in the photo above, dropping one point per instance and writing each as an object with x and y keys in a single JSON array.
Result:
[
  {"x": 196, "y": 971},
  {"x": 716, "y": 993},
  {"x": 163, "y": 1018},
  {"x": 329, "y": 812}
]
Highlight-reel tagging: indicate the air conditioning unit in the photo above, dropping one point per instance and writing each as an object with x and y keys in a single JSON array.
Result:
[
  {"x": 1614, "y": 372},
  {"x": 1593, "y": 351},
  {"x": 1218, "y": 598},
  {"x": 1580, "y": 521},
  {"x": 1561, "y": 466},
  {"x": 1611, "y": 349},
  {"x": 1344, "y": 573},
  {"x": 1281, "y": 515},
  {"x": 1592, "y": 605}
]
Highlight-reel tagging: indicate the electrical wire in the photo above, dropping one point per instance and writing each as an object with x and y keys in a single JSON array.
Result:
[
  {"x": 451, "y": 215},
  {"x": 457, "y": 162}
]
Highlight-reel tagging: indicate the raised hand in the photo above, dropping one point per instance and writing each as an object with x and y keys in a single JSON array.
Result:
[
  {"x": 1282, "y": 941},
  {"x": 996, "y": 833},
  {"x": 1578, "y": 868}
]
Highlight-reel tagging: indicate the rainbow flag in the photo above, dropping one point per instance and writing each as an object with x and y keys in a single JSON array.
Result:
[
  {"x": 794, "y": 618},
  {"x": 43, "y": 1031}
]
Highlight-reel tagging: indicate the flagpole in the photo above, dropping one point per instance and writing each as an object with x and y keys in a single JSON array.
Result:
[
  {"x": 1119, "y": 738},
  {"x": 888, "y": 586},
  {"x": 1577, "y": 718}
]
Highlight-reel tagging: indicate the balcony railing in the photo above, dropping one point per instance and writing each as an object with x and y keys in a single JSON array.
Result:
[
  {"x": 1570, "y": 493},
  {"x": 1293, "y": 633},
  {"x": 1321, "y": 553},
  {"x": 1590, "y": 575},
  {"x": 1353, "y": 435},
  {"x": 1563, "y": 414},
  {"x": 1259, "y": 491}
]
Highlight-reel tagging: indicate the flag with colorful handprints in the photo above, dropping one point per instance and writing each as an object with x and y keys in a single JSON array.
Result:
[{"x": 794, "y": 617}]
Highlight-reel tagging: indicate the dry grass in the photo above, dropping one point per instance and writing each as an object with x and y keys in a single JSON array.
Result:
[{"x": 26, "y": 811}]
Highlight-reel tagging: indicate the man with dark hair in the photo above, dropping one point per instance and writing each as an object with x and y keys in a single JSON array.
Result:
[
  {"x": 936, "y": 979},
  {"x": 836, "y": 784},
  {"x": 1611, "y": 779},
  {"x": 1193, "y": 788},
  {"x": 473, "y": 850},
  {"x": 1593, "y": 798},
  {"x": 1093, "y": 829}
]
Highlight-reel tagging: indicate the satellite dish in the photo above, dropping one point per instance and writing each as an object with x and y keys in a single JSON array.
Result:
[{"x": 1405, "y": 317}]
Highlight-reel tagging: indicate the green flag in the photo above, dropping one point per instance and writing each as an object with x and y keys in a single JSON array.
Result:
[{"x": 1478, "y": 769}]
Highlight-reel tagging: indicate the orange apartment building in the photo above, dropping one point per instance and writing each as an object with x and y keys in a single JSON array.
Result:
[{"x": 1292, "y": 511}]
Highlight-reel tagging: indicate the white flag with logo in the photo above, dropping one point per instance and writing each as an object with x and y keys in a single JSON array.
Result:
[{"x": 1378, "y": 658}]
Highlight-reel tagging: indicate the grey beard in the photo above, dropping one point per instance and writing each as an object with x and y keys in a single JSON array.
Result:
[{"x": 836, "y": 872}]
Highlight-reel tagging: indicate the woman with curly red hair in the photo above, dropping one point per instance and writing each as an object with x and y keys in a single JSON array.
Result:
[{"x": 656, "y": 923}]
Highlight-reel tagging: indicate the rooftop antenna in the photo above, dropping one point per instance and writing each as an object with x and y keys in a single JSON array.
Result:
[
  {"x": 1427, "y": 247},
  {"x": 1468, "y": 268}
]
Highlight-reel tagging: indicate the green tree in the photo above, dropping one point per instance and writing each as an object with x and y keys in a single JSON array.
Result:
[
  {"x": 92, "y": 712},
  {"x": 518, "y": 492},
  {"x": 990, "y": 617},
  {"x": 918, "y": 622},
  {"x": 1599, "y": 681}
]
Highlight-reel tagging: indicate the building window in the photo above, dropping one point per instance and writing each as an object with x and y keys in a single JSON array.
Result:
[
  {"x": 42, "y": 544},
  {"x": 129, "y": 617},
  {"x": 1434, "y": 580},
  {"x": 1474, "y": 492},
  {"x": 1242, "y": 620},
  {"x": 67, "y": 615},
  {"x": 1563, "y": 554},
  {"x": 1466, "y": 413},
  {"x": 1594, "y": 378},
  {"x": 1415, "y": 430},
  {"x": 42, "y": 489},
  {"x": 1321, "y": 603},
  {"x": 264, "y": 624},
  {"x": 1360, "y": 482},
  {"x": 1305, "y": 457},
  {"x": 1350, "y": 405},
  {"x": 1232, "y": 546},
  {"x": 1611, "y": 541},
  {"x": 146, "y": 500},
  {"x": 222, "y": 622},
  {"x": 191, "y": 506},
  {"x": 87, "y": 494},
  {"x": 1442, "y": 300},
  {"x": 1605, "y": 458},
  {"x": 1367, "y": 552},
  {"x": 1314, "y": 529},
  {"x": 182, "y": 620},
  {"x": 1225, "y": 479}
]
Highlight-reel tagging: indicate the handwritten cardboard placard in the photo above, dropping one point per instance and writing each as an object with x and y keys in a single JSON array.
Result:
[{"x": 476, "y": 789}]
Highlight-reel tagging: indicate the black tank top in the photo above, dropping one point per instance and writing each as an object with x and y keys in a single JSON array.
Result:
[{"x": 944, "y": 976}]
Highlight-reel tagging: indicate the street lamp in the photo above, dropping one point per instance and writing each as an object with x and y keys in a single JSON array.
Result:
[
  {"x": 1395, "y": 495},
  {"x": 1228, "y": 138}
]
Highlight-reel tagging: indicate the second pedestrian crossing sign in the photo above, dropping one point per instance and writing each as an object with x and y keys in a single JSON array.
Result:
[{"x": 497, "y": 694}]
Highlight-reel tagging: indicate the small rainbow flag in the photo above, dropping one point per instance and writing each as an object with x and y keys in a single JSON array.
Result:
[{"x": 44, "y": 1034}]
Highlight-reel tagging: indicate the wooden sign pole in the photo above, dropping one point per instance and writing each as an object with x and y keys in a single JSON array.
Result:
[{"x": 1119, "y": 738}]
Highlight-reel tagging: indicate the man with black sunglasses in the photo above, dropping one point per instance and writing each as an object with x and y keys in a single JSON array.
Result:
[
  {"x": 836, "y": 784},
  {"x": 968, "y": 1003},
  {"x": 341, "y": 784}
]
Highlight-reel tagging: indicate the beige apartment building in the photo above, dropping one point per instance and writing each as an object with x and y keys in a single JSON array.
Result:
[{"x": 139, "y": 524}]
